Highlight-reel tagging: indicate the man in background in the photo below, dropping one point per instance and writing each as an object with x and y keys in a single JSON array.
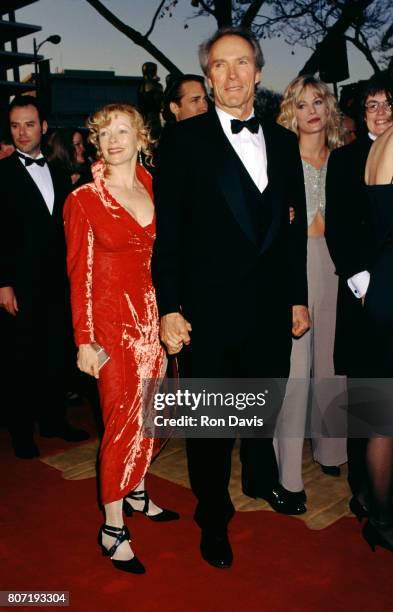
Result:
[
  {"x": 185, "y": 97},
  {"x": 34, "y": 302}
]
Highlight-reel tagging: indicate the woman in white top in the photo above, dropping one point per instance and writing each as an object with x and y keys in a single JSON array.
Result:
[{"x": 309, "y": 109}]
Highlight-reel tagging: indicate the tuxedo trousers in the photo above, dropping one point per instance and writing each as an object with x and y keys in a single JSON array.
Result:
[
  {"x": 209, "y": 459},
  {"x": 36, "y": 349},
  {"x": 312, "y": 382}
]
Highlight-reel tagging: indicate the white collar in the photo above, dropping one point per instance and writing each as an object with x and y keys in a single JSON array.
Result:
[
  {"x": 27, "y": 155},
  {"x": 225, "y": 118},
  {"x": 372, "y": 136}
]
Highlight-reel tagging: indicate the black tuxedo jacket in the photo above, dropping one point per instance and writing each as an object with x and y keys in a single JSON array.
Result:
[
  {"x": 207, "y": 261},
  {"x": 32, "y": 245},
  {"x": 349, "y": 241}
]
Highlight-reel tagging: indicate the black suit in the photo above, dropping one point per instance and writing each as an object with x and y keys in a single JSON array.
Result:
[
  {"x": 32, "y": 262},
  {"x": 349, "y": 241},
  {"x": 228, "y": 259},
  {"x": 348, "y": 237}
]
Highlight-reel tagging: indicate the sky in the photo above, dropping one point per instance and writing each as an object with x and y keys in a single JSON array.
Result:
[{"x": 91, "y": 43}]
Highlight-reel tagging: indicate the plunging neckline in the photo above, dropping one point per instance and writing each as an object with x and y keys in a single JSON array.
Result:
[
  {"x": 109, "y": 201},
  {"x": 112, "y": 197},
  {"x": 314, "y": 167}
]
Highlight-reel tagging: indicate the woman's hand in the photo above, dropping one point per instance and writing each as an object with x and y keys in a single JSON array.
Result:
[{"x": 87, "y": 360}]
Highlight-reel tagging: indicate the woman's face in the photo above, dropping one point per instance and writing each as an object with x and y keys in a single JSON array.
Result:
[
  {"x": 118, "y": 140},
  {"x": 378, "y": 113},
  {"x": 311, "y": 112},
  {"x": 79, "y": 147}
]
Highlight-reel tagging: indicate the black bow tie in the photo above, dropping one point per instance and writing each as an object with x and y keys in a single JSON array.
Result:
[
  {"x": 41, "y": 161},
  {"x": 251, "y": 124}
]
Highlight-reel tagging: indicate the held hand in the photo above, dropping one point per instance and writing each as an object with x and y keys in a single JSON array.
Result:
[
  {"x": 87, "y": 360},
  {"x": 291, "y": 214},
  {"x": 174, "y": 332},
  {"x": 8, "y": 300},
  {"x": 300, "y": 320}
]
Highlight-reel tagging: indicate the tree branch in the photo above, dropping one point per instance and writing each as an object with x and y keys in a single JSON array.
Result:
[
  {"x": 352, "y": 10},
  {"x": 364, "y": 48},
  {"x": 251, "y": 13},
  {"x": 153, "y": 23},
  {"x": 207, "y": 8},
  {"x": 135, "y": 36}
]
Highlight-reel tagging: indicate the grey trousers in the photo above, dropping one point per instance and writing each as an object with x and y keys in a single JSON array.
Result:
[{"x": 312, "y": 383}]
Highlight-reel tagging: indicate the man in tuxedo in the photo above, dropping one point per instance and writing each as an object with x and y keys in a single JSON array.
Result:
[
  {"x": 228, "y": 267},
  {"x": 185, "y": 97},
  {"x": 34, "y": 313},
  {"x": 350, "y": 245}
]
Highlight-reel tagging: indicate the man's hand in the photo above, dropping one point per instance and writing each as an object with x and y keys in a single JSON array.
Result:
[
  {"x": 87, "y": 360},
  {"x": 174, "y": 332},
  {"x": 300, "y": 320},
  {"x": 8, "y": 300}
]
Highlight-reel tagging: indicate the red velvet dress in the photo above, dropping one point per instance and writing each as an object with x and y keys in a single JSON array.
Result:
[{"x": 113, "y": 303}]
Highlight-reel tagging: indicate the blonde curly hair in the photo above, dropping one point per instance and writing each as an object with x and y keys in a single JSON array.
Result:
[
  {"x": 293, "y": 93},
  {"x": 102, "y": 117}
]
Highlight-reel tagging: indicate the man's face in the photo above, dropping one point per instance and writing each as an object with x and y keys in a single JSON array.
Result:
[
  {"x": 378, "y": 113},
  {"x": 232, "y": 75},
  {"x": 26, "y": 129},
  {"x": 193, "y": 101},
  {"x": 349, "y": 127}
]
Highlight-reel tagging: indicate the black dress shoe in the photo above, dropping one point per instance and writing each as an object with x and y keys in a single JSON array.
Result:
[
  {"x": 331, "y": 470},
  {"x": 286, "y": 502},
  {"x": 216, "y": 549},
  {"x": 66, "y": 432},
  {"x": 25, "y": 449},
  {"x": 358, "y": 508}
]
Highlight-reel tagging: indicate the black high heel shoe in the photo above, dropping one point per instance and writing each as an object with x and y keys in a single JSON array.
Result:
[
  {"x": 373, "y": 536},
  {"x": 121, "y": 534},
  {"x": 358, "y": 509},
  {"x": 161, "y": 517}
]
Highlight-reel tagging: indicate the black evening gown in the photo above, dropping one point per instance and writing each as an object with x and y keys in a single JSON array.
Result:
[
  {"x": 379, "y": 315},
  {"x": 379, "y": 297}
]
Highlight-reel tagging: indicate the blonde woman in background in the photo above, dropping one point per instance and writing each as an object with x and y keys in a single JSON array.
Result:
[{"x": 309, "y": 109}]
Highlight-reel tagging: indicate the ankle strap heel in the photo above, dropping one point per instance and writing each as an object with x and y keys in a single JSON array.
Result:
[
  {"x": 121, "y": 534},
  {"x": 161, "y": 517}
]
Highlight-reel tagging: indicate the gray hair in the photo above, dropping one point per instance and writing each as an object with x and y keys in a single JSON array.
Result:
[{"x": 206, "y": 46}]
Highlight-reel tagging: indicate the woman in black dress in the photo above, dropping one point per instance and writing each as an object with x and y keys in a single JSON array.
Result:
[{"x": 379, "y": 312}]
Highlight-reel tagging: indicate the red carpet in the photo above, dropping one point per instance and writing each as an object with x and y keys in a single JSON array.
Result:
[{"x": 48, "y": 542}]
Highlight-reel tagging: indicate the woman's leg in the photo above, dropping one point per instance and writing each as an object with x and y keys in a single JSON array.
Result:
[
  {"x": 289, "y": 434},
  {"x": 380, "y": 469},
  {"x": 114, "y": 518}
]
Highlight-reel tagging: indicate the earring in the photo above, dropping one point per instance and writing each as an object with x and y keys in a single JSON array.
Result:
[{"x": 140, "y": 157}]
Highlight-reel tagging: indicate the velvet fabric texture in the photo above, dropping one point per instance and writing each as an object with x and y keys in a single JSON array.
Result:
[{"x": 113, "y": 303}]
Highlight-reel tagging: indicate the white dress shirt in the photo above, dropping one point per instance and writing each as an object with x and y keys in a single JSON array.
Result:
[
  {"x": 251, "y": 149},
  {"x": 42, "y": 178}
]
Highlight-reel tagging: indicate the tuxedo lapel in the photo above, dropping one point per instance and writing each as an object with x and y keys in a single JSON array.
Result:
[
  {"x": 273, "y": 176},
  {"x": 58, "y": 188},
  {"x": 24, "y": 183},
  {"x": 228, "y": 177}
]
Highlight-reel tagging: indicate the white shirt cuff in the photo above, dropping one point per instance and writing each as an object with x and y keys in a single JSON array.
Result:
[{"x": 358, "y": 283}]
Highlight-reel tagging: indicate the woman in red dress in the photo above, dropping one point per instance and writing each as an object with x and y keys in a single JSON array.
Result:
[{"x": 110, "y": 230}]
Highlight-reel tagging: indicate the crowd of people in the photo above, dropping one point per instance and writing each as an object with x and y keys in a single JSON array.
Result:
[{"x": 257, "y": 250}]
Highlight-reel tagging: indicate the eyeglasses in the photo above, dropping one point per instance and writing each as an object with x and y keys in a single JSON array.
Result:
[{"x": 374, "y": 105}]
